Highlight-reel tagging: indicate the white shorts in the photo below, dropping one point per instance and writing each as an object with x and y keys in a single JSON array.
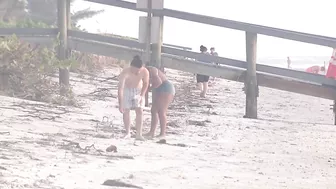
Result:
[{"x": 132, "y": 99}]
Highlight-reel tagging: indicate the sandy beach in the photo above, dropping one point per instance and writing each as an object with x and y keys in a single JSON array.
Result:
[{"x": 210, "y": 145}]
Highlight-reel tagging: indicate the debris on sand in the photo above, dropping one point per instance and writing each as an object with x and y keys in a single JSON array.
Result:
[
  {"x": 116, "y": 183},
  {"x": 76, "y": 147},
  {"x": 92, "y": 150},
  {"x": 164, "y": 141},
  {"x": 2, "y": 168},
  {"x": 111, "y": 148}
]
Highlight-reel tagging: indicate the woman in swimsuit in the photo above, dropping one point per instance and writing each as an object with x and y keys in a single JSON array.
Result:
[{"x": 163, "y": 92}]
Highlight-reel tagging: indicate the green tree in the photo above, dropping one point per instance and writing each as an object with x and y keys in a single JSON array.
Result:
[
  {"x": 12, "y": 10},
  {"x": 83, "y": 14},
  {"x": 46, "y": 11}
]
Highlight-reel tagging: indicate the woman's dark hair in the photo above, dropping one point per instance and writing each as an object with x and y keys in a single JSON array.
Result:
[
  {"x": 137, "y": 62},
  {"x": 203, "y": 48}
]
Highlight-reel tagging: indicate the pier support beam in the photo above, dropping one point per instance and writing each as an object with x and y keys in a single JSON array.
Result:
[
  {"x": 63, "y": 38},
  {"x": 251, "y": 86},
  {"x": 152, "y": 31},
  {"x": 156, "y": 47},
  {"x": 148, "y": 40},
  {"x": 334, "y": 110}
]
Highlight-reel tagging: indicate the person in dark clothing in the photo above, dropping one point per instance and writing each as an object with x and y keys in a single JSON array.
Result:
[
  {"x": 213, "y": 53},
  {"x": 202, "y": 80}
]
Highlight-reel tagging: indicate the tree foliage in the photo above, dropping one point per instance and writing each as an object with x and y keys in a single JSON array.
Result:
[
  {"x": 46, "y": 11},
  {"x": 30, "y": 71},
  {"x": 27, "y": 71},
  {"x": 40, "y": 11},
  {"x": 12, "y": 10}
]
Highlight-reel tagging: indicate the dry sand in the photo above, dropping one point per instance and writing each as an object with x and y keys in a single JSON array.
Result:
[{"x": 292, "y": 145}]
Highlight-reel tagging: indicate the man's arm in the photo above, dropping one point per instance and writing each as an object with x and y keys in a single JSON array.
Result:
[
  {"x": 121, "y": 85},
  {"x": 145, "y": 82}
]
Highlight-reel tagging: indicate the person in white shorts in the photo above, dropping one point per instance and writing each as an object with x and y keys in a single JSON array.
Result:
[{"x": 133, "y": 84}]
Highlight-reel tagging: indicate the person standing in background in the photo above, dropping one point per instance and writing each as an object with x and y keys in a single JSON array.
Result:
[
  {"x": 202, "y": 80},
  {"x": 289, "y": 62},
  {"x": 313, "y": 69},
  {"x": 213, "y": 53},
  {"x": 322, "y": 70}
]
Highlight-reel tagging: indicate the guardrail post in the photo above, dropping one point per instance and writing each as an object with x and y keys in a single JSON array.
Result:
[
  {"x": 251, "y": 86},
  {"x": 148, "y": 40},
  {"x": 68, "y": 18},
  {"x": 156, "y": 47},
  {"x": 63, "y": 42},
  {"x": 334, "y": 110}
]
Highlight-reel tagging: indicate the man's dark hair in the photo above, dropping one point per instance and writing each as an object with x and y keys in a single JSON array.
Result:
[
  {"x": 203, "y": 48},
  {"x": 137, "y": 62}
]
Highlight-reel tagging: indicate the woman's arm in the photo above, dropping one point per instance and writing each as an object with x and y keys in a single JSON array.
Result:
[{"x": 155, "y": 78}]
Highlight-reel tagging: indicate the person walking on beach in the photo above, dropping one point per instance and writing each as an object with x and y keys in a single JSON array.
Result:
[
  {"x": 314, "y": 69},
  {"x": 132, "y": 87},
  {"x": 202, "y": 80},
  {"x": 163, "y": 92},
  {"x": 213, "y": 53},
  {"x": 289, "y": 62}
]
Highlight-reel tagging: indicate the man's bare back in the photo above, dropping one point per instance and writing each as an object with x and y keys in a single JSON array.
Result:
[{"x": 131, "y": 79}]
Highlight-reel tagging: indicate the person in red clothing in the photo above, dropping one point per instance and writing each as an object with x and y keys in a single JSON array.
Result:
[
  {"x": 313, "y": 69},
  {"x": 331, "y": 73}
]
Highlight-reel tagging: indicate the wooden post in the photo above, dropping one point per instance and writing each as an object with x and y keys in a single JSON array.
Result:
[
  {"x": 63, "y": 36},
  {"x": 148, "y": 40},
  {"x": 156, "y": 48},
  {"x": 161, "y": 66},
  {"x": 68, "y": 14},
  {"x": 251, "y": 87},
  {"x": 68, "y": 18}
]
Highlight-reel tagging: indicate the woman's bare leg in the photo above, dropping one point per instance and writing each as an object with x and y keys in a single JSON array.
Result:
[
  {"x": 154, "y": 122},
  {"x": 205, "y": 89},
  {"x": 164, "y": 99},
  {"x": 138, "y": 123},
  {"x": 154, "y": 118},
  {"x": 200, "y": 86}
]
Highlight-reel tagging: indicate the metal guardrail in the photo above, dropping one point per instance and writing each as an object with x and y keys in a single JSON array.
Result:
[
  {"x": 299, "y": 75},
  {"x": 225, "y": 72},
  {"x": 31, "y": 32},
  {"x": 225, "y": 23},
  {"x": 309, "y": 77}
]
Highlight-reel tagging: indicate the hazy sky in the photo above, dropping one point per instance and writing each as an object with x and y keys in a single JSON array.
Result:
[{"x": 310, "y": 16}]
